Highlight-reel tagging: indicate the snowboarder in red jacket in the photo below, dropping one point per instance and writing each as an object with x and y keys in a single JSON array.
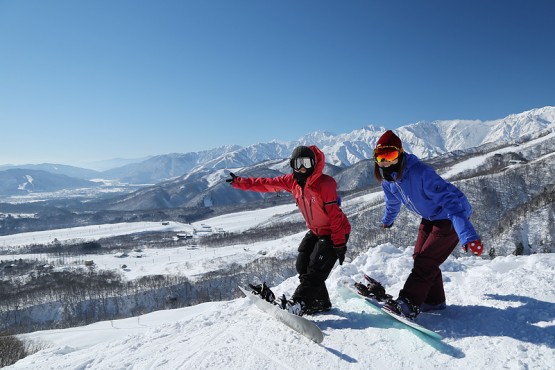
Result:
[{"x": 316, "y": 196}]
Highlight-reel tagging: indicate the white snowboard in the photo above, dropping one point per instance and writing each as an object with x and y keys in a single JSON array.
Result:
[{"x": 298, "y": 323}]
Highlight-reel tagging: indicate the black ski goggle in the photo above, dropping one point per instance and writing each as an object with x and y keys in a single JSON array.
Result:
[{"x": 301, "y": 162}]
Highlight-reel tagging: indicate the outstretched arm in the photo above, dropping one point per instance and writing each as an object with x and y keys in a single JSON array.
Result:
[{"x": 262, "y": 184}]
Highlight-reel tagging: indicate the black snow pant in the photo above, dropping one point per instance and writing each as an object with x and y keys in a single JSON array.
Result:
[
  {"x": 314, "y": 263},
  {"x": 435, "y": 242}
]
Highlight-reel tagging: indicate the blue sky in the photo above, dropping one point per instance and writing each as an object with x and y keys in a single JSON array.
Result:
[{"x": 91, "y": 80}]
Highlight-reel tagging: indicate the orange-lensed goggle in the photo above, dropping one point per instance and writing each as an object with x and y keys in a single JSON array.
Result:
[{"x": 387, "y": 154}]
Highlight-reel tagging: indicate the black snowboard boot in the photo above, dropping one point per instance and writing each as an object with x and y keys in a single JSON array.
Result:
[
  {"x": 403, "y": 307},
  {"x": 291, "y": 306},
  {"x": 317, "y": 306}
]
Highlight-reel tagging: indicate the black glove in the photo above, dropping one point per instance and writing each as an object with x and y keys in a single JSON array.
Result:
[
  {"x": 232, "y": 179},
  {"x": 340, "y": 251}
]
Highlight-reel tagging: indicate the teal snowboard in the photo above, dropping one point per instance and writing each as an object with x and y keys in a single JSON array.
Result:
[{"x": 378, "y": 306}]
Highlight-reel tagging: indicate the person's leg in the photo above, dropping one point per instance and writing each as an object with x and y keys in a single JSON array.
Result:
[
  {"x": 305, "y": 250},
  {"x": 313, "y": 287},
  {"x": 436, "y": 294},
  {"x": 424, "y": 231},
  {"x": 425, "y": 283}
]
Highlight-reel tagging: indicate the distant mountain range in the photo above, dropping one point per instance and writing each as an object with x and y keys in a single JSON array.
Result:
[
  {"x": 505, "y": 167},
  {"x": 196, "y": 172},
  {"x": 17, "y": 181},
  {"x": 56, "y": 169},
  {"x": 348, "y": 159},
  {"x": 425, "y": 139}
]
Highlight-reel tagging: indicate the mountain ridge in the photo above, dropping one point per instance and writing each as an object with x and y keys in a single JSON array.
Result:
[{"x": 426, "y": 139}]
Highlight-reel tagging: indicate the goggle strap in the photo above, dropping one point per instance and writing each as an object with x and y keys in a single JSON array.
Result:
[{"x": 387, "y": 148}]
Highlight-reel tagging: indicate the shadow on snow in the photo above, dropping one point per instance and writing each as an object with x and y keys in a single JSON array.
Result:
[
  {"x": 521, "y": 321},
  {"x": 365, "y": 320}
]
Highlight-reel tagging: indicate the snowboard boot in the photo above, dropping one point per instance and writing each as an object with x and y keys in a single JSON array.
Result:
[
  {"x": 263, "y": 291},
  {"x": 317, "y": 307},
  {"x": 402, "y": 307},
  {"x": 373, "y": 289},
  {"x": 291, "y": 306}
]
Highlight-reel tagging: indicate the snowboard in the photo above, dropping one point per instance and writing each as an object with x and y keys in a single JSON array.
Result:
[
  {"x": 378, "y": 306},
  {"x": 298, "y": 323}
]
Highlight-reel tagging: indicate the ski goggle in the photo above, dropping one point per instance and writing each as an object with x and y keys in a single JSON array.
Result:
[
  {"x": 301, "y": 162},
  {"x": 387, "y": 154}
]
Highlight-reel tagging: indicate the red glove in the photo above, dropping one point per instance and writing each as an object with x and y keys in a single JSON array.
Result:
[{"x": 475, "y": 247}]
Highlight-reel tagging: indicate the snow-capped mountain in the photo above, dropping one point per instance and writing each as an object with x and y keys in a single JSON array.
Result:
[
  {"x": 429, "y": 139},
  {"x": 425, "y": 139},
  {"x": 347, "y": 159}
]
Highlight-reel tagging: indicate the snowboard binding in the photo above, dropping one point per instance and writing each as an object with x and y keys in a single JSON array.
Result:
[
  {"x": 263, "y": 291},
  {"x": 372, "y": 289}
]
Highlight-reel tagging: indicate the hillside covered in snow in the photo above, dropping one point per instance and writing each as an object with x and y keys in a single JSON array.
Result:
[
  {"x": 501, "y": 311},
  {"x": 501, "y": 314}
]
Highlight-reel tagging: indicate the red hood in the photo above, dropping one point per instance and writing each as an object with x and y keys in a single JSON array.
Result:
[{"x": 320, "y": 160}]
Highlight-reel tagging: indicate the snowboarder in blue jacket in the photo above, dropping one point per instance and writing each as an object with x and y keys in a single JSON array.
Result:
[{"x": 445, "y": 213}]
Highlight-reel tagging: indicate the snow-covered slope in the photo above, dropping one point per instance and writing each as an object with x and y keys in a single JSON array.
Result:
[{"x": 501, "y": 315}]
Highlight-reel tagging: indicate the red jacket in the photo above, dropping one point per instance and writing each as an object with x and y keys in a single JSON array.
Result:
[{"x": 317, "y": 203}]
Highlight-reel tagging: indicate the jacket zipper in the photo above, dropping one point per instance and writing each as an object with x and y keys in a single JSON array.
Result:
[
  {"x": 308, "y": 216},
  {"x": 406, "y": 199}
]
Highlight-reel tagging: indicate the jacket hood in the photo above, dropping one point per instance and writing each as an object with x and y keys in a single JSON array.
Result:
[
  {"x": 320, "y": 160},
  {"x": 409, "y": 161}
]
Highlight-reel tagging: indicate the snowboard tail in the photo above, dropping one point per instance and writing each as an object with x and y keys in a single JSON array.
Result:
[{"x": 300, "y": 324}]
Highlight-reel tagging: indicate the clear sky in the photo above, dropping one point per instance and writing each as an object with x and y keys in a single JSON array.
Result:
[{"x": 91, "y": 80}]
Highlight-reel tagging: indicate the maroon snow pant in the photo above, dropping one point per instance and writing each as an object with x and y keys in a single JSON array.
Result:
[{"x": 435, "y": 242}]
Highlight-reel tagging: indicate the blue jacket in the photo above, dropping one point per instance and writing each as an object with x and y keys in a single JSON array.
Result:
[{"x": 424, "y": 192}]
